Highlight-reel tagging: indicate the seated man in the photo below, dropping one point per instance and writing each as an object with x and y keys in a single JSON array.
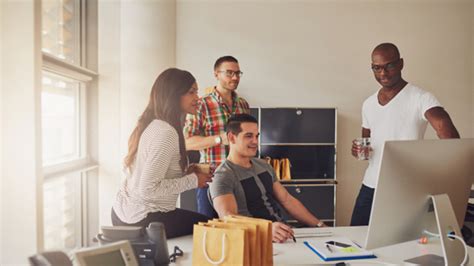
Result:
[{"x": 247, "y": 186}]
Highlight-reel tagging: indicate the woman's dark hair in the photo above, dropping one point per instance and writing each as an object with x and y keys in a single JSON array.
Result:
[{"x": 164, "y": 104}]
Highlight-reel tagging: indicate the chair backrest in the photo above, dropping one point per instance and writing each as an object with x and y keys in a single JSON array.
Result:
[
  {"x": 214, "y": 212},
  {"x": 51, "y": 258}
]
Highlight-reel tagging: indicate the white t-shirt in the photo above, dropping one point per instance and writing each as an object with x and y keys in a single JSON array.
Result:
[{"x": 403, "y": 118}]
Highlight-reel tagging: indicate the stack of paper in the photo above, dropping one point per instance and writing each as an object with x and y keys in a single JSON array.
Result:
[
  {"x": 311, "y": 232},
  {"x": 338, "y": 248}
]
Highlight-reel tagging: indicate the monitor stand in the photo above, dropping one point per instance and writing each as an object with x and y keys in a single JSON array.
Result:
[{"x": 453, "y": 250}]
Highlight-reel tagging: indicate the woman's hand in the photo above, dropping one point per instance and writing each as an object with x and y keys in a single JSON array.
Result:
[{"x": 203, "y": 179}]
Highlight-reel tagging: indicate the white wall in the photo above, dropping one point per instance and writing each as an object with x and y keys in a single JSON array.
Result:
[
  {"x": 317, "y": 54},
  {"x": 140, "y": 44},
  {"x": 1, "y": 128},
  {"x": 108, "y": 104},
  {"x": 20, "y": 131}
]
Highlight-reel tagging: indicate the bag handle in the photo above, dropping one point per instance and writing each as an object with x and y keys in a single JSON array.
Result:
[{"x": 205, "y": 251}]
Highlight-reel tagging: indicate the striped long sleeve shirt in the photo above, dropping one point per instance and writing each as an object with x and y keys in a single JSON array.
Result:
[{"x": 155, "y": 180}]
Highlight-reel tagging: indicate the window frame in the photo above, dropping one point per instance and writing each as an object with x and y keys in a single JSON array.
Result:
[{"x": 84, "y": 165}]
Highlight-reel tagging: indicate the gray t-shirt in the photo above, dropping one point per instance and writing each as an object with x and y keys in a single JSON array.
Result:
[{"x": 252, "y": 188}]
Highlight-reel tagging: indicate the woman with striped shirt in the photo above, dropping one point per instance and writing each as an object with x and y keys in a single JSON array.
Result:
[{"x": 156, "y": 163}]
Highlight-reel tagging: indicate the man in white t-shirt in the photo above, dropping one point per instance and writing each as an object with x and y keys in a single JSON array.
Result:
[{"x": 397, "y": 111}]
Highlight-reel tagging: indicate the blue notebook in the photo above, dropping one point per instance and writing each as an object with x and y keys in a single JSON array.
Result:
[{"x": 338, "y": 248}]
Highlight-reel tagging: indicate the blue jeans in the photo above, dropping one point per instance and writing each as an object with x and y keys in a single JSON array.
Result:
[
  {"x": 363, "y": 206},
  {"x": 204, "y": 206}
]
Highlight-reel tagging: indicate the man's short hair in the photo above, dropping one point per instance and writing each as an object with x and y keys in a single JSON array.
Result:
[
  {"x": 234, "y": 122},
  {"x": 387, "y": 47},
  {"x": 227, "y": 58}
]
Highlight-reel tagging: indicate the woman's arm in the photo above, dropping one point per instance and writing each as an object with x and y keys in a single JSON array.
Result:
[{"x": 158, "y": 150}]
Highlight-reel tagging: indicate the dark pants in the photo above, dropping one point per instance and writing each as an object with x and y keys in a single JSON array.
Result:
[
  {"x": 363, "y": 206},
  {"x": 177, "y": 223},
  {"x": 204, "y": 206}
]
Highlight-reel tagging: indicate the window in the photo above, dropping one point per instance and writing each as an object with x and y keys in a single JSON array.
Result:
[
  {"x": 61, "y": 120},
  {"x": 62, "y": 212},
  {"x": 61, "y": 29},
  {"x": 66, "y": 159}
]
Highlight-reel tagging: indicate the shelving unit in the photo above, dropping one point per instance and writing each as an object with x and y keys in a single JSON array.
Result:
[{"x": 307, "y": 136}]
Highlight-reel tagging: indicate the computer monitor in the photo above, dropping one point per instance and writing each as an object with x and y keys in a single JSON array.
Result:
[
  {"x": 409, "y": 173},
  {"x": 115, "y": 254}
]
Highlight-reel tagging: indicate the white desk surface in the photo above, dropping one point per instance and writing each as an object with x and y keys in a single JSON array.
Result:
[{"x": 290, "y": 253}]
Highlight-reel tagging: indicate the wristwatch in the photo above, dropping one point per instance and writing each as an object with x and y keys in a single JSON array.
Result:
[
  {"x": 320, "y": 224},
  {"x": 218, "y": 140}
]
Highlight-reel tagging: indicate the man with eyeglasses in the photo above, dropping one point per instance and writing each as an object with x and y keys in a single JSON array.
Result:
[
  {"x": 397, "y": 111},
  {"x": 205, "y": 131}
]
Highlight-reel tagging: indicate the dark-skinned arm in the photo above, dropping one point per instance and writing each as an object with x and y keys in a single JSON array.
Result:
[{"x": 441, "y": 123}]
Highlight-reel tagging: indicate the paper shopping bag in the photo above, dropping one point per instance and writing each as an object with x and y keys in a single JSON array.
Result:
[
  {"x": 265, "y": 236},
  {"x": 248, "y": 255},
  {"x": 285, "y": 169},
  {"x": 218, "y": 246},
  {"x": 252, "y": 240},
  {"x": 276, "y": 166}
]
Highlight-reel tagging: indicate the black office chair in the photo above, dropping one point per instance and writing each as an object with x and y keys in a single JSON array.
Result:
[
  {"x": 51, "y": 258},
  {"x": 209, "y": 198},
  {"x": 188, "y": 198}
]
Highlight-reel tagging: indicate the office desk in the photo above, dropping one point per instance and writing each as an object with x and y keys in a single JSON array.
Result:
[{"x": 290, "y": 253}]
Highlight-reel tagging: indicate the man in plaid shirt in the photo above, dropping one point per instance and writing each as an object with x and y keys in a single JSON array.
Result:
[{"x": 205, "y": 131}]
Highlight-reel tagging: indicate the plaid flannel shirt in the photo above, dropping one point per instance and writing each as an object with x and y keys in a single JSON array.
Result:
[{"x": 210, "y": 120}]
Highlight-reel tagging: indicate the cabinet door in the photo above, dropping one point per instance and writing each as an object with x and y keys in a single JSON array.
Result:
[
  {"x": 318, "y": 199},
  {"x": 254, "y": 112},
  {"x": 298, "y": 125}
]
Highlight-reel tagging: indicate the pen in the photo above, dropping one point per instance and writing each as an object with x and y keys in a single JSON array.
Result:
[
  {"x": 293, "y": 234},
  {"x": 357, "y": 244},
  {"x": 329, "y": 248}
]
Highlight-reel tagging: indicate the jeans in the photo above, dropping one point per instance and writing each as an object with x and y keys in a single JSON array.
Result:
[
  {"x": 363, "y": 206},
  {"x": 204, "y": 206},
  {"x": 178, "y": 222}
]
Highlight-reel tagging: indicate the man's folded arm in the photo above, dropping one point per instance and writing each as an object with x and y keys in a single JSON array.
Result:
[{"x": 225, "y": 205}]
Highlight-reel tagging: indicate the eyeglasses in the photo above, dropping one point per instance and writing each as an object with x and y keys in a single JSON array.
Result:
[
  {"x": 176, "y": 253},
  {"x": 387, "y": 67},
  {"x": 230, "y": 73}
]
